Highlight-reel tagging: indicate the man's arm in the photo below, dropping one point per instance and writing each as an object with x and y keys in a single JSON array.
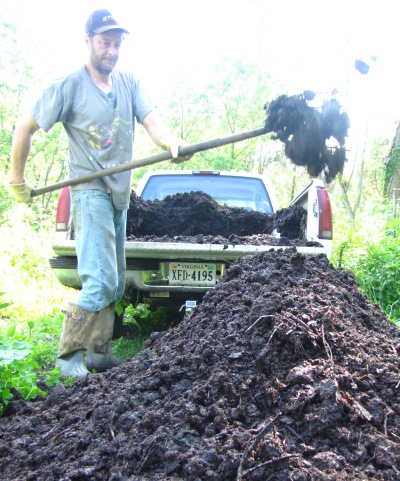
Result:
[
  {"x": 21, "y": 146},
  {"x": 162, "y": 136}
]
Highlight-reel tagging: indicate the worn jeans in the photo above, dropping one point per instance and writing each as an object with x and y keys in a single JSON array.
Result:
[{"x": 100, "y": 248}]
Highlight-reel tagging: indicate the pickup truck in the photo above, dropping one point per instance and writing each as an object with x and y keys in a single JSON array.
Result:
[{"x": 179, "y": 274}]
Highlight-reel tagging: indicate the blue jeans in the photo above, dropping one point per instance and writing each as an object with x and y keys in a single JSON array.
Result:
[{"x": 100, "y": 248}]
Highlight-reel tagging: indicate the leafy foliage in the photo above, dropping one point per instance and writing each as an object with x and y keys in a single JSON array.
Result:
[
  {"x": 20, "y": 362},
  {"x": 145, "y": 320},
  {"x": 231, "y": 102},
  {"x": 48, "y": 160},
  {"x": 14, "y": 350},
  {"x": 376, "y": 265},
  {"x": 142, "y": 322},
  {"x": 124, "y": 348},
  {"x": 392, "y": 170},
  {"x": 378, "y": 272}
]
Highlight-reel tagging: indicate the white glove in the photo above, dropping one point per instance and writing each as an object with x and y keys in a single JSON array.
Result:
[
  {"x": 21, "y": 192},
  {"x": 172, "y": 143}
]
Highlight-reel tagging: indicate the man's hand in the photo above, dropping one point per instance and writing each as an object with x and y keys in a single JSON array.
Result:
[
  {"x": 172, "y": 143},
  {"x": 162, "y": 136},
  {"x": 21, "y": 192}
]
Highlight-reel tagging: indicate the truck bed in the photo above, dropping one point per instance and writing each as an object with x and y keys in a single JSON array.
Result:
[{"x": 172, "y": 269}]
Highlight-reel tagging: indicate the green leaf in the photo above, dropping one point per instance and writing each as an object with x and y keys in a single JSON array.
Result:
[
  {"x": 52, "y": 377},
  {"x": 14, "y": 351},
  {"x": 5, "y": 304},
  {"x": 11, "y": 331},
  {"x": 6, "y": 395}
]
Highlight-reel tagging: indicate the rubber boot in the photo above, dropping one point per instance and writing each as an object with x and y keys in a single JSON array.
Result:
[
  {"x": 73, "y": 365},
  {"x": 77, "y": 330},
  {"x": 100, "y": 361},
  {"x": 99, "y": 356},
  {"x": 75, "y": 336}
]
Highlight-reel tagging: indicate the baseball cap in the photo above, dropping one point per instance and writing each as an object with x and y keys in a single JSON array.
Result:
[{"x": 102, "y": 20}]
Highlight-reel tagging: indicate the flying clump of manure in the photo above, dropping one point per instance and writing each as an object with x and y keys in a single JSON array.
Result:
[{"x": 305, "y": 130}]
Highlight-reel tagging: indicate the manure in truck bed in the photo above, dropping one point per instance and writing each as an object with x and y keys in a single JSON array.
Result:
[
  {"x": 196, "y": 213},
  {"x": 284, "y": 371}
]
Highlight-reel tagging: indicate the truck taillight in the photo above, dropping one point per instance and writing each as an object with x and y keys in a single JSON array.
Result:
[
  {"x": 63, "y": 210},
  {"x": 325, "y": 228}
]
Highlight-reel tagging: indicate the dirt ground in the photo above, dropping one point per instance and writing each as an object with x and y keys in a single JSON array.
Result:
[{"x": 284, "y": 372}]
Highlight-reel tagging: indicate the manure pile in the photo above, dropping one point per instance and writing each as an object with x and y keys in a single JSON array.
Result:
[{"x": 284, "y": 372}]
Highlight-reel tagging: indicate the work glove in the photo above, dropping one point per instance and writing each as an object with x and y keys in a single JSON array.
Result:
[
  {"x": 21, "y": 192},
  {"x": 172, "y": 143}
]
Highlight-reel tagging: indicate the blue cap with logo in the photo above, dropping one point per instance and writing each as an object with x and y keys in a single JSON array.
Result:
[{"x": 101, "y": 21}]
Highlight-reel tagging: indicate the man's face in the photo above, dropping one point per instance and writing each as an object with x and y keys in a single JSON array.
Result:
[{"x": 104, "y": 50}]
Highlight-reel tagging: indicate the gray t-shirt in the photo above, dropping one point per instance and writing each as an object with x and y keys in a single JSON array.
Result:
[{"x": 100, "y": 127}]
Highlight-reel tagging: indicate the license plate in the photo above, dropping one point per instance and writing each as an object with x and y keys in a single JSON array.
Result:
[{"x": 194, "y": 274}]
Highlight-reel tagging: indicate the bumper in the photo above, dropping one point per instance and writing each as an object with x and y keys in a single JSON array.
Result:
[{"x": 147, "y": 263}]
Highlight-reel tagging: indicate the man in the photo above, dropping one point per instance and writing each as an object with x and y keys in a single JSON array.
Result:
[{"x": 98, "y": 106}]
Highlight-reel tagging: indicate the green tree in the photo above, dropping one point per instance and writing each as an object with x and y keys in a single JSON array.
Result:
[
  {"x": 392, "y": 169},
  {"x": 239, "y": 93},
  {"x": 232, "y": 101},
  {"x": 48, "y": 159},
  {"x": 13, "y": 77}
]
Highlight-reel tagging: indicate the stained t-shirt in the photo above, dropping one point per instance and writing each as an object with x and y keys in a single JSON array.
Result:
[{"x": 100, "y": 127}]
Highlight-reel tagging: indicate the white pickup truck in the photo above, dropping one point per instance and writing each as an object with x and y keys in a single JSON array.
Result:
[{"x": 172, "y": 273}]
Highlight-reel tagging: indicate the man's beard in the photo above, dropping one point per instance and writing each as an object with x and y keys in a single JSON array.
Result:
[{"x": 101, "y": 68}]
